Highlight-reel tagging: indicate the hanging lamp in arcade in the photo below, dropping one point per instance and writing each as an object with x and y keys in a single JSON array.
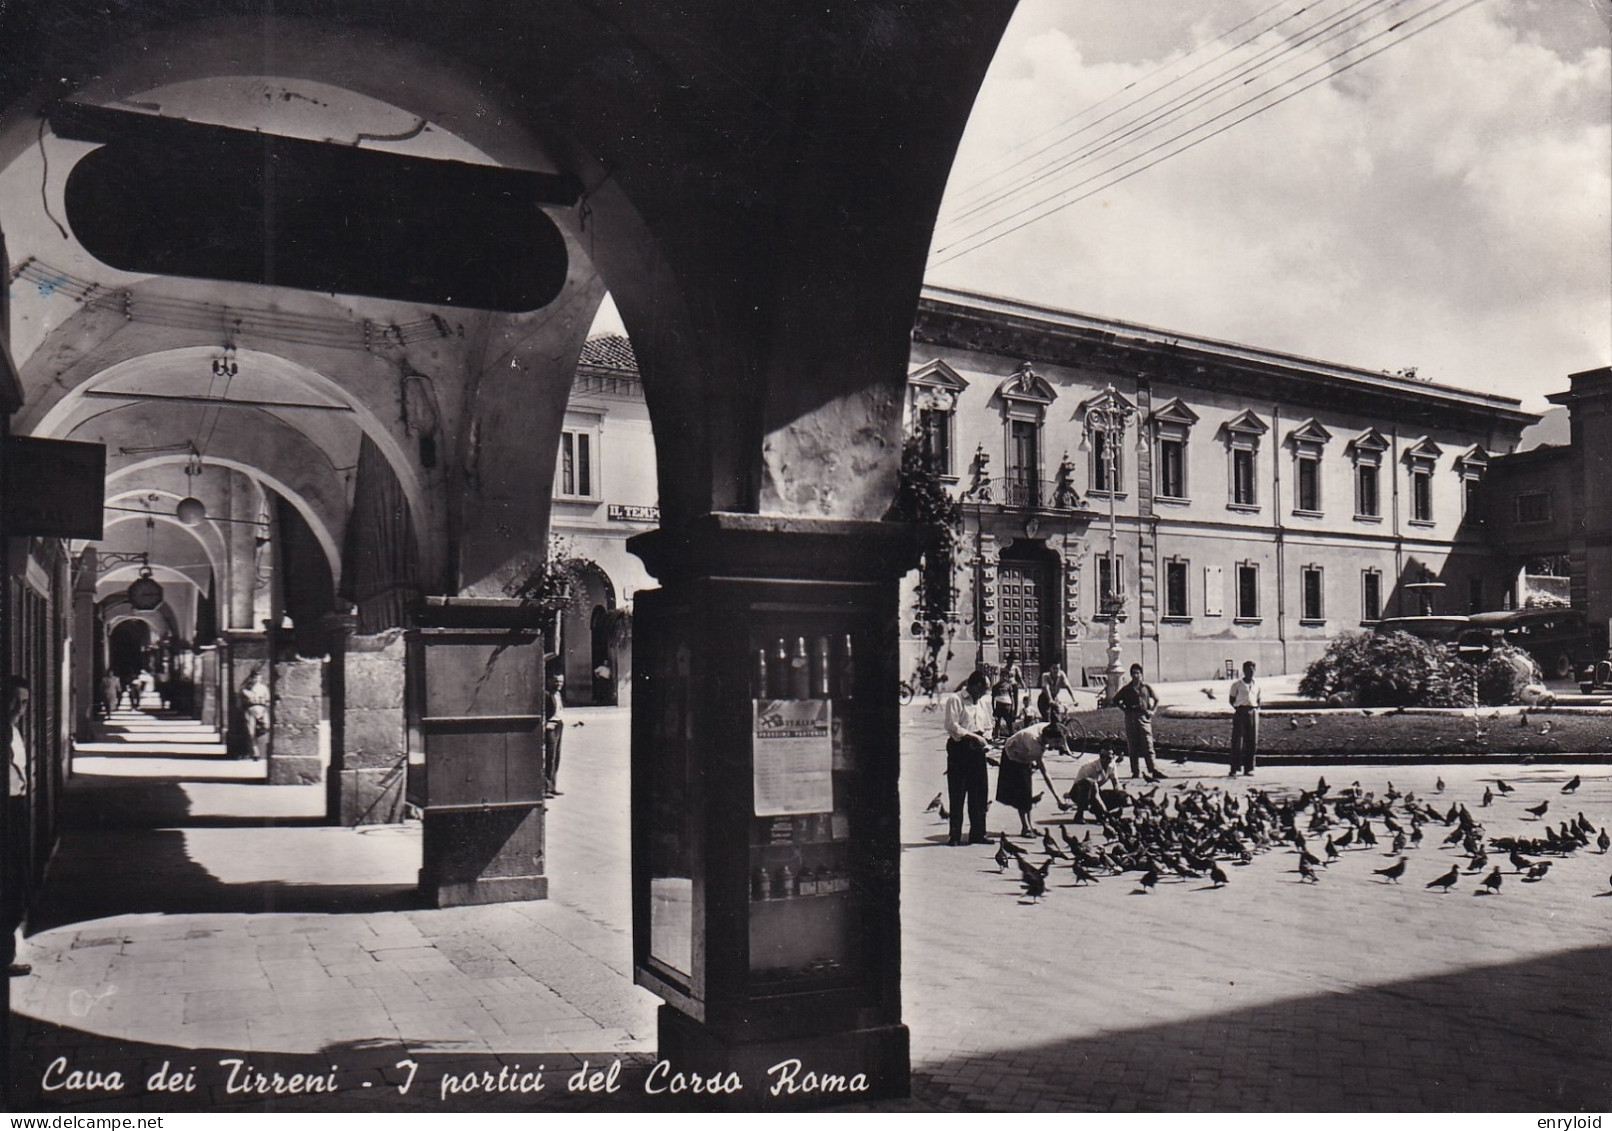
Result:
[{"x": 145, "y": 592}]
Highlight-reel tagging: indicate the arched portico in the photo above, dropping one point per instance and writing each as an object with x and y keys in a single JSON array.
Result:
[{"x": 758, "y": 189}]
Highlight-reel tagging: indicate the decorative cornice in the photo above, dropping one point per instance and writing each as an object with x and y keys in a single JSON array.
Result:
[
  {"x": 1103, "y": 400},
  {"x": 1027, "y": 385},
  {"x": 1174, "y": 412},
  {"x": 1424, "y": 450},
  {"x": 937, "y": 374},
  {"x": 1310, "y": 433},
  {"x": 1002, "y": 326},
  {"x": 1246, "y": 423},
  {"x": 1370, "y": 440}
]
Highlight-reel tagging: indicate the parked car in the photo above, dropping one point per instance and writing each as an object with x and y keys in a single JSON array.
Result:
[{"x": 1557, "y": 639}]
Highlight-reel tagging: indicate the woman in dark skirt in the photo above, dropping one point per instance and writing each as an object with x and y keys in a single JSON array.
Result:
[{"x": 1021, "y": 758}]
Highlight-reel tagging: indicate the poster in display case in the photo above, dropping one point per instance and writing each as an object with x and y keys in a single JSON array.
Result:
[{"x": 792, "y": 755}]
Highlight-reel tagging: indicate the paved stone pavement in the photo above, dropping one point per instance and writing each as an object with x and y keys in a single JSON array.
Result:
[
  {"x": 192, "y": 918},
  {"x": 1269, "y": 994}
]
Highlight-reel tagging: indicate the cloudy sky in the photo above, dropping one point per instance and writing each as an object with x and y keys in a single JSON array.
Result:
[{"x": 1445, "y": 205}]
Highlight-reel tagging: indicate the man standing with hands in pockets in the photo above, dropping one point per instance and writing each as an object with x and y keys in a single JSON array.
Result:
[{"x": 1244, "y": 696}]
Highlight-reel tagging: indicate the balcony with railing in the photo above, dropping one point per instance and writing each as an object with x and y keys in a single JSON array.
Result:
[{"x": 1040, "y": 494}]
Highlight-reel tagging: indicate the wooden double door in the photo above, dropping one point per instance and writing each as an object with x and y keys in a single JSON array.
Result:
[{"x": 1027, "y": 615}]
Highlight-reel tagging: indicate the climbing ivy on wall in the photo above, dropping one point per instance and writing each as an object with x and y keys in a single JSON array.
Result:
[{"x": 922, "y": 499}]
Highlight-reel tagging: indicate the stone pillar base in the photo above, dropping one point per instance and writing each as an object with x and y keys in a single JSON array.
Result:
[
  {"x": 370, "y": 797},
  {"x": 295, "y": 769},
  {"x": 853, "y": 1066},
  {"x": 508, "y": 889},
  {"x": 483, "y": 854}
]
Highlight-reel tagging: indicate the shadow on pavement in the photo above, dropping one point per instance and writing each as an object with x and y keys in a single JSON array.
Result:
[
  {"x": 1526, "y": 1036},
  {"x": 95, "y": 801},
  {"x": 126, "y": 872}
]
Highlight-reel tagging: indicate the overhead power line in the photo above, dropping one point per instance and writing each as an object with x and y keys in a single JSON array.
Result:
[
  {"x": 968, "y": 190},
  {"x": 970, "y": 243},
  {"x": 1230, "y": 80}
]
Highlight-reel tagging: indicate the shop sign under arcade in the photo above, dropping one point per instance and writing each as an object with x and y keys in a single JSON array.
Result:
[{"x": 53, "y": 488}]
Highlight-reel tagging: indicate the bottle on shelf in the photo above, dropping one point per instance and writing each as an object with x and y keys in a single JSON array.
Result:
[
  {"x": 786, "y": 882},
  {"x": 780, "y": 670},
  {"x": 760, "y": 885},
  {"x": 806, "y": 882},
  {"x": 800, "y": 672},
  {"x": 820, "y": 669},
  {"x": 847, "y": 673},
  {"x": 762, "y": 686}
]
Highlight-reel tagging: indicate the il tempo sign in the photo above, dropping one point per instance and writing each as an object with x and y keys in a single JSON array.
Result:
[{"x": 625, "y": 512}]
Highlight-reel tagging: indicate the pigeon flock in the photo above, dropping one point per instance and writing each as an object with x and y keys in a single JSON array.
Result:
[{"x": 1194, "y": 832}]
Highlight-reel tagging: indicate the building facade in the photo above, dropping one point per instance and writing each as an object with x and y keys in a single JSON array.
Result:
[
  {"x": 1261, "y": 503},
  {"x": 1254, "y": 504},
  {"x": 604, "y": 493},
  {"x": 1550, "y": 511}
]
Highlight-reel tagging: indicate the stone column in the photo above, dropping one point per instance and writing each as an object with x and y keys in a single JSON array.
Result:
[
  {"x": 297, "y": 687},
  {"x": 244, "y": 650},
  {"x": 208, "y": 689},
  {"x": 368, "y": 747},
  {"x": 85, "y": 693}
]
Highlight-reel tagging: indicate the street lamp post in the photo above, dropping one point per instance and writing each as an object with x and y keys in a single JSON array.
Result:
[
  {"x": 1109, "y": 415},
  {"x": 979, "y": 494}
]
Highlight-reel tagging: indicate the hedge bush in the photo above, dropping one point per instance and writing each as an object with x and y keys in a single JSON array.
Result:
[
  {"x": 1374, "y": 669},
  {"x": 1397, "y": 669}
]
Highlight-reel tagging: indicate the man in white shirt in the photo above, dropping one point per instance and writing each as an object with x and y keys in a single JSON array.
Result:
[
  {"x": 1087, "y": 790},
  {"x": 1245, "y": 698},
  {"x": 967, "y": 715}
]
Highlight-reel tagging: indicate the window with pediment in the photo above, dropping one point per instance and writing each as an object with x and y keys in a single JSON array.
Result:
[
  {"x": 1308, "y": 442},
  {"x": 932, "y": 394},
  {"x": 1421, "y": 459},
  {"x": 1025, "y": 397},
  {"x": 1172, "y": 428},
  {"x": 1243, "y": 434},
  {"x": 1472, "y": 465},
  {"x": 1366, "y": 450}
]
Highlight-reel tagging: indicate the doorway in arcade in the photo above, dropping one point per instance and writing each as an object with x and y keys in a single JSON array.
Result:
[{"x": 591, "y": 646}]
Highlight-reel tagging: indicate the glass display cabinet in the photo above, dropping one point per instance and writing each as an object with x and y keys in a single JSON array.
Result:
[{"x": 765, "y": 870}]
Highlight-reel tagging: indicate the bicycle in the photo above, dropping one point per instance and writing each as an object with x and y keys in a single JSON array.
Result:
[{"x": 929, "y": 682}]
